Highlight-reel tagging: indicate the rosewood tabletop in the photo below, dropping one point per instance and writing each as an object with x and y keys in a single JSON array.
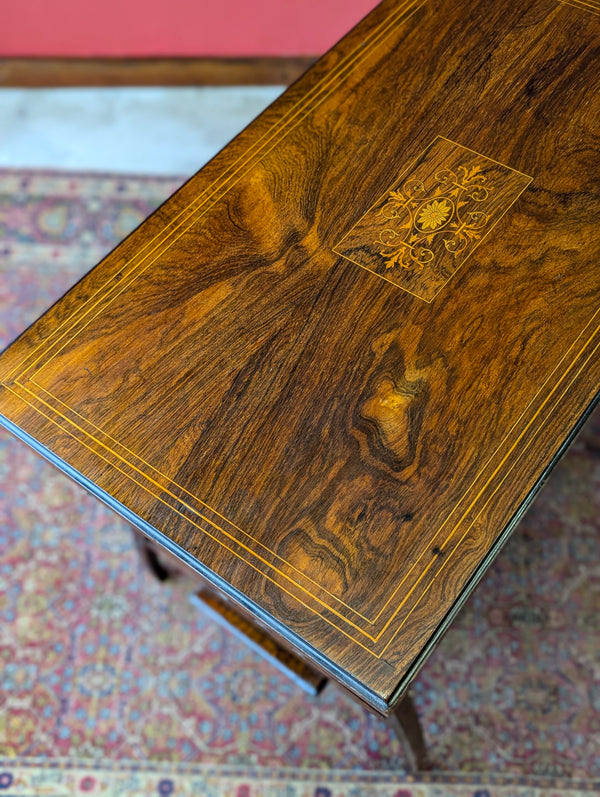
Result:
[{"x": 330, "y": 373}]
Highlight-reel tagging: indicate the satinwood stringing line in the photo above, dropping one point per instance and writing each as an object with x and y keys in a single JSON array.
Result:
[
  {"x": 328, "y": 83},
  {"x": 465, "y": 513},
  {"x": 590, "y": 5},
  {"x": 379, "y": 654},
  {"x": 457, "y": 545}
]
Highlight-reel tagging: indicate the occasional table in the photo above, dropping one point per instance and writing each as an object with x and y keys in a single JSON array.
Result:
[{"x": 331, "y": 372}]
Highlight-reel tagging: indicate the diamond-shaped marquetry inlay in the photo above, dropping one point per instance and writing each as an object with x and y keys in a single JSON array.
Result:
[{"x": 421, "y": 231}]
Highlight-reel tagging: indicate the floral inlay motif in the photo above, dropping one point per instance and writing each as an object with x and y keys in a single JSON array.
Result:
[
  {"x": 419, "y": 232},
  {"x": 422, "y": 214},
  {"x": 433, "y": 215}
]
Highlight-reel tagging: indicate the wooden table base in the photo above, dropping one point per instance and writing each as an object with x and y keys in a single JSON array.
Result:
[{"x": 404, "y": 721}]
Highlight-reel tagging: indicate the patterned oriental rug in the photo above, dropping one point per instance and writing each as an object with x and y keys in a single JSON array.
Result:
[{"x": 98, "y": 661}]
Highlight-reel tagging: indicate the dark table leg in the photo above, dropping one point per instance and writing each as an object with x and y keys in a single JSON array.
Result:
[
  {"x": 150, "y": 557},
  {"x": 406, "y": 724},
  {"x": 593, "y": 445}
]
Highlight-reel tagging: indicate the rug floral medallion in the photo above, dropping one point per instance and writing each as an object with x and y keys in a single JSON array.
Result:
[{"x": 99, "y": 661}]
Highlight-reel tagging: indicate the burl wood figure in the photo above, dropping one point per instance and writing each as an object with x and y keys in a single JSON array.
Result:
[{"x": 330, "y": 373}]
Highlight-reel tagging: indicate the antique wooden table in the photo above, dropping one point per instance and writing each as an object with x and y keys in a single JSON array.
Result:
[{"x": 331, "y": 372}]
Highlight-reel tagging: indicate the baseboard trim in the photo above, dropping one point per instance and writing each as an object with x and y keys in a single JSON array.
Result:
[{"x": 57, "y": 72}]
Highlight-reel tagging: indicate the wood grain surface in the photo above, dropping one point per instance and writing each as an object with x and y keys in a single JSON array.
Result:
[{"x": 331, "y": 372}]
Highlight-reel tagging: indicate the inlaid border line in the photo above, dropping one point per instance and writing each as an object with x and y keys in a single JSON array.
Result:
[
  {"x": 273, "y": 553},
  {"x": 200, "y": 528},
  {"x": 590, "y": 7},
  {"x": 506, "y": 475},
  {"x": 265, "y": 575},
  {"x": 349, "y": 63},
  {"x": 455, "y": 527},
  {"x": 184, "y": 490}
]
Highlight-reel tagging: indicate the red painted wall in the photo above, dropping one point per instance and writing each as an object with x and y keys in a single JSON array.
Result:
[{"x": 175, "y": 27}]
